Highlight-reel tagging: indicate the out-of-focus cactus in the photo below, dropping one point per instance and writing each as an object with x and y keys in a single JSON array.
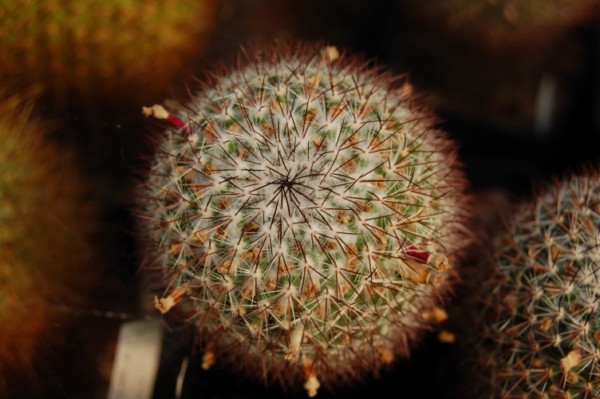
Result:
[
  {"x": 305, "y": 218},
  {"x": 102, "y": 49},
  {"x": 535, "y": 329},
  {"x": 45, "y": 250},
  {"x": 516, "y": 65},
  {"x": 495, "y": 23}
]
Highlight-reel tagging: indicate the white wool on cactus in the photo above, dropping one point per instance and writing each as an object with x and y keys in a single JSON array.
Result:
[{"x": 311, "y": 213}]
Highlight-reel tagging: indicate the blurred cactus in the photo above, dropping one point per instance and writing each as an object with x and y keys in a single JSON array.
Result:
[
  {"x": 536, "y": 329},
  {"x": 515, "y": 65},
  {"x": 306, "y": 218},
  {"x": 496, "y": 23},
  {"x": 97, "y": 50},
  {"x": 45, "y": 250}
]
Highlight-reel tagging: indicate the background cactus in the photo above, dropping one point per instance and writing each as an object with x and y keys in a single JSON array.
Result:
[
  {"x": 113, "y": 49},
  {"x": 536, "y": 332},
  {"x": 499, "y": 22},
  {"x": 305, "y": 218},
  {"x": 514, "y": 65},
  {"x": 45, "y": 232}
]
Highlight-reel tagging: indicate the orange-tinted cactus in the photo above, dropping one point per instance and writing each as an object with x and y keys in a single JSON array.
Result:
[
  {"x": 100, "y": 50},
  {"x": 45, "y": 244}
]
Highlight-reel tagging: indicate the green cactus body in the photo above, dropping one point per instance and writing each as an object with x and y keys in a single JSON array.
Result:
[
  {"x": 539, "y": 335},
  {"x": 44, "y": 232},
  {"x": 115, "y": 49},
  {"x": 306, "y": 219}
]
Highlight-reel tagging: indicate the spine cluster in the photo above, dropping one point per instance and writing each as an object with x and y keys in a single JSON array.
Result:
[
  {"x": 306, "y": 218},
  {"x": 539, "y": 333}
]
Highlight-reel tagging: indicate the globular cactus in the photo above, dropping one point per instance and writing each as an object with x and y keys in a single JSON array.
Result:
[
  {"x": 45, "y": 249},
  {"x": 96, "y": 50},
  {"x": 537, "y": 326},
  {"x": 305, "y": 217}
]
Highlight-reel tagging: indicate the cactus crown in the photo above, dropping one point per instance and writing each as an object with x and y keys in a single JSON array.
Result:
[
  {"x": 542, "y": 319},
  {"x": 309, "y": 213}
]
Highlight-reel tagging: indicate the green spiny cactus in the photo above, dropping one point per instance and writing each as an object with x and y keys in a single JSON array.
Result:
[
  {"x": 306, "y": 218},
  {"x": 44, "y": 245},
  {"x": 538, "y": 335},
  {"x": 115, "y": 49}
]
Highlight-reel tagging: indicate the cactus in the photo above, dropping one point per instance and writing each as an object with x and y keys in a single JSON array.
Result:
[
  {"x": 499, "y": 22},
  {"x": 537, "y": 332},
  {"x": 97, "y": 50},
  {"x": 44, "y": 230},
  {"x": 306, "y": 217},
  {"x": 446, "y": 41}
]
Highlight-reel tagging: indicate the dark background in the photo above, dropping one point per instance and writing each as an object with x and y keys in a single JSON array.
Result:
[{"x": 502, "y": 148}]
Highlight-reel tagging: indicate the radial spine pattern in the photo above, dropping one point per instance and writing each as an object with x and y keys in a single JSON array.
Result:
[{"x": 306, "y": 218}]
